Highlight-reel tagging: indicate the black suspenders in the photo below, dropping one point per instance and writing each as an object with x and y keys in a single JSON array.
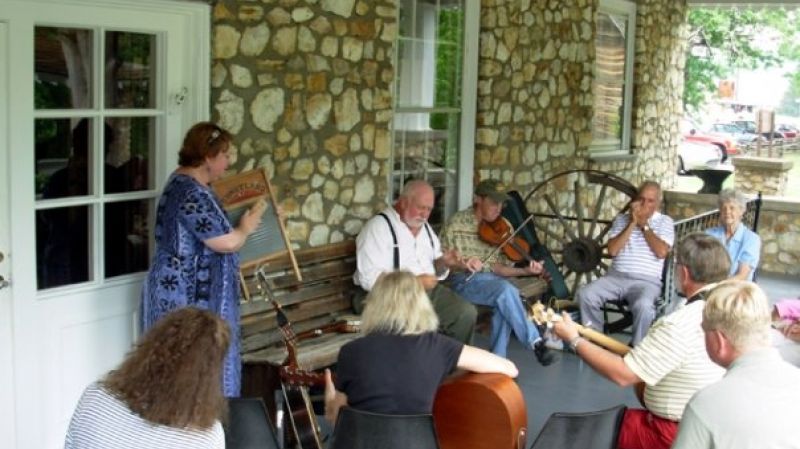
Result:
[{"x": 394, "y": 239}]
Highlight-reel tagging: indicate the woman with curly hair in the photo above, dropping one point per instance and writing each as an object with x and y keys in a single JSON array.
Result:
[
  {"x": 165, "y": 394},
  {"x": 196, "y": 261}
]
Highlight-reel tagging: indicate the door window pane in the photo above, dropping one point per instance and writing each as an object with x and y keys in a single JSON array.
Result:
[
  {"x": 131, "y": 146},
  {"x": 129, "y": 70},
  {"x": 62, "y": 68},
  {"x": 64, "y": 155},
  {"x": 63, "y": 236},
  {"x": 127, "y": 237}
]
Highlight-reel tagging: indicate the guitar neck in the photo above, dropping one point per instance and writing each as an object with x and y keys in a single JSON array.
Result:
[{"x": 603, "y": 340}]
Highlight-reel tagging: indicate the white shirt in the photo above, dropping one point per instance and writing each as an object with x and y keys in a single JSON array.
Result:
[
  {"x": 755, "y": 406},
  {"x": 101, "y": 421},
  {"x": 636, "y": 256},
  {"x": 375, "y": 249}
]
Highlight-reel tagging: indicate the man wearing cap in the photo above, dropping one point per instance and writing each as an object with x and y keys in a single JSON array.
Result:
[{"x": 483, "y": 281}]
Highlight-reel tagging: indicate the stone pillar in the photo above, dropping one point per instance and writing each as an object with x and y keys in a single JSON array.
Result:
[{"x": 761, "y": 174}]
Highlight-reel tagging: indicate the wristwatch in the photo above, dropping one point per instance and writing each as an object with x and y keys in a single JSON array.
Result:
[
  {"x": 573, "y": 344},
  {"x": 645, "y": 228}
]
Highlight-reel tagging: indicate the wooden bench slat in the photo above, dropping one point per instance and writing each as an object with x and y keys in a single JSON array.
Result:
[
  {"x": 281, "y": 261},
  {"x": 269, "y": 337},
  {"x": 312, "y": 354},
  {"x": 329, "y": 306}
]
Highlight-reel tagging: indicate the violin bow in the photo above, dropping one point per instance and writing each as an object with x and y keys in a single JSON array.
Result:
[{"x": 500, "y": 246}]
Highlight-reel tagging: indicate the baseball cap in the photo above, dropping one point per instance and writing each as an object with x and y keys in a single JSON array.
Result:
[{"x": 492, "y": 188}]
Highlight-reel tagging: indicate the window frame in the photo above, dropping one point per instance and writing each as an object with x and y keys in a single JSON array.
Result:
[
  {"x": 466, "y": 134},
  {"x": 624, "y": 148}
]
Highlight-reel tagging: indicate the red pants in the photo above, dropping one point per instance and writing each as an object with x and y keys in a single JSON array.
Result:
[{"x": 643, "y": 430}]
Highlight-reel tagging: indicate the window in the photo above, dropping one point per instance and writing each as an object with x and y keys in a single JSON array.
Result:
[
  {"x": 613, "y": 81},
  {"x": 95, "y": 125},
  {"x": 429, "y": 94}
]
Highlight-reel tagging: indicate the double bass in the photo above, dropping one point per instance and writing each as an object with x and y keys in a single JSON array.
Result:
[{"x": 480, "y": 411}]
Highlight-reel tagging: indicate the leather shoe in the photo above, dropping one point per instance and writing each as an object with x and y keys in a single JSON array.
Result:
[{"x": 543, "y": 354}]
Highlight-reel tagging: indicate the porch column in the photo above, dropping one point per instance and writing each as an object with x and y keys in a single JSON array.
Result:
[{"x": 761, "y": 174}]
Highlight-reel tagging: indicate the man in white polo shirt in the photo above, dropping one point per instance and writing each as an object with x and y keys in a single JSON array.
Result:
[
  {"x": 671, "y": 360},
  {"x": 638, "y": 242}
]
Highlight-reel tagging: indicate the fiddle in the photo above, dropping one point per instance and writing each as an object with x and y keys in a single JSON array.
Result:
[{"x": 500, "y": 233}]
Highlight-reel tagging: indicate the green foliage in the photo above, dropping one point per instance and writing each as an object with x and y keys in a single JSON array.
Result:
[
  {"x": 448, "y": 63},
  {"x": 733, "y": 35}
]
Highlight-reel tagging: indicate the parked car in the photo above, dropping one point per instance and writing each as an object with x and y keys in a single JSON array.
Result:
[
  {"x": 742, "y": 138},
  {"x": 750, "y": 127},
  {"x": 691, "y": 132},
  {"x": 788, "y": 131},
  {"x": 694, "y": 155}
]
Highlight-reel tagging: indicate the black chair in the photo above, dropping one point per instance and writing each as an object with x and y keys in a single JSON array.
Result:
[
  {"x": 591, "y": 430},
  {"x": 248, "y": 425},
  {"x": 356, "y": 429}
]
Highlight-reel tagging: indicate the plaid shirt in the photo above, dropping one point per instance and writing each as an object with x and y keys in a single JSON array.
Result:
[{"x": 461, "y": 233}]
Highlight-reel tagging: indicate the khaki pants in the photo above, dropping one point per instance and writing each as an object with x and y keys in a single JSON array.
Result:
[{"x": 456, "y": 315}]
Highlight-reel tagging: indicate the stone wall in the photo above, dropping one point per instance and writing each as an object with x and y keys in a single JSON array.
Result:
[
  {"x": 761, "y": 174},
  {"x": 535, "y": 99},
  {"x": 305, "y": 87},
  {"x": 534, "y": 89},
  {"x": 778, "y": 227}
]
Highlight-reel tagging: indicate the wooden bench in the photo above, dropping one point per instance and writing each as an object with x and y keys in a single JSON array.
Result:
[{"x": 323, "y": 297}]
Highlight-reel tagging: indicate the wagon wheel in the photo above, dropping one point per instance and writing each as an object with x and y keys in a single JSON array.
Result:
[{"x": 572, "y": 213}]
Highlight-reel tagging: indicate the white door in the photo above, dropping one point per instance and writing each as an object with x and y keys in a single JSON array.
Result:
[
  {"x": 6, "y": 354},
  {"x": 100, "y": 93}
]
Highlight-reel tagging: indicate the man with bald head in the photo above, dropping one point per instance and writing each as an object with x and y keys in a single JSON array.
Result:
[
  {"x": 638, "y": 243},
  {"x": 400, "y": 238}
]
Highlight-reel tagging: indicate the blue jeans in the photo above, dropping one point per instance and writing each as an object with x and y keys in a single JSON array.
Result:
[{"x": 489, "y": 289}]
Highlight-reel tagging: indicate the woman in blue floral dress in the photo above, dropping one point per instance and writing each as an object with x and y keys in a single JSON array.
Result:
[{"x": 196, "y": 262}]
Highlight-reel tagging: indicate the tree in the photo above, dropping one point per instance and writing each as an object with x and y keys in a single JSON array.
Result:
[{"x": 737, "y": 39}]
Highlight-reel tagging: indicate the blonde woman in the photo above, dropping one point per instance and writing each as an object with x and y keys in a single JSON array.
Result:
[{"x": 397, "y": 366}]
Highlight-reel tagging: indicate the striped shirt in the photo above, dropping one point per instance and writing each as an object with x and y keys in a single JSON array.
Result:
[
  {"x": 636, "y": 256},
  {"x": 672, "y": 361},
  {"x": 103, "y": 421}
]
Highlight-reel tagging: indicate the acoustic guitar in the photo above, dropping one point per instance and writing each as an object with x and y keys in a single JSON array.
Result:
[
  {"x": 480, "y": 411},
  {"x": 301, "y": 412}
]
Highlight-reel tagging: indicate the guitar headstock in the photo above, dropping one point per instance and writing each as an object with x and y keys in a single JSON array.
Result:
[{"x": 542, "y": 315}]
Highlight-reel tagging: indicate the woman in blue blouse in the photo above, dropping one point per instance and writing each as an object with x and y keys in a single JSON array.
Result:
[
  {"x": 196, "y": 262},
  {"x": 743, "y": 245}
]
